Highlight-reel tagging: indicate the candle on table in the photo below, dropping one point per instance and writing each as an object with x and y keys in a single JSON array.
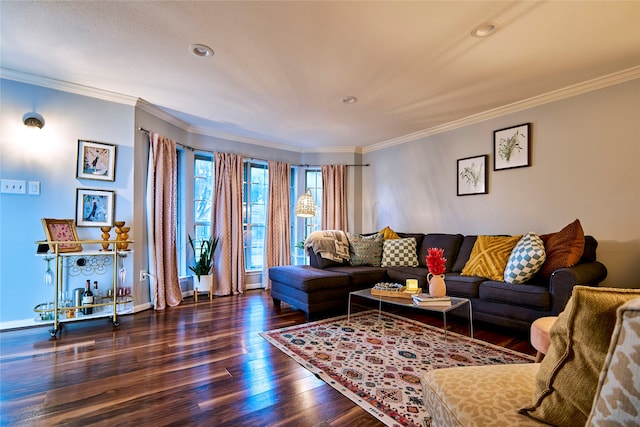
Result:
[{"x": 412, "y": 284}]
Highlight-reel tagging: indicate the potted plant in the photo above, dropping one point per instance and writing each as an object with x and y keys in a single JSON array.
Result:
[{"x": 203, "y": 263}]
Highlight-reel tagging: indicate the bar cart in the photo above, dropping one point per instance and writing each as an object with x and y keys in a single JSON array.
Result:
[{"x": 89, "y": 259}]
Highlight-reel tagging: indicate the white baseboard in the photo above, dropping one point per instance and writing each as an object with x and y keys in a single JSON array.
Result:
[{"x": 32, "y": 322}]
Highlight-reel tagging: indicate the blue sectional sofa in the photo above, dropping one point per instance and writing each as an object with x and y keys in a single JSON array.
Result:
[{"x": 322, "y": 288}]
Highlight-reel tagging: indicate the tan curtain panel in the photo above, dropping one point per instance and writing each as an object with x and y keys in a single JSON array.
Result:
[
  {"x": 278, "y": 230},
  {"x": 227, "y": 224},
  {"x": 334, "y": 207},
  {"x": 162, "y": 178}
]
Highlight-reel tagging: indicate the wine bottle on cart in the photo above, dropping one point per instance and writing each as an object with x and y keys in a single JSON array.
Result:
[
  {"x": 96, "y": 296},
  {"x": 87, "y": 299}
]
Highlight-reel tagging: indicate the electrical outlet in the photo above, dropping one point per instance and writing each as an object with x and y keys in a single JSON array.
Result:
[
  {"x": 143, "y": 275},
  {"x": 14, "y": 186}
]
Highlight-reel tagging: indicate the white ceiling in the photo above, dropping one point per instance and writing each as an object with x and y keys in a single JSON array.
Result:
[{"x": 280, "y": 68}]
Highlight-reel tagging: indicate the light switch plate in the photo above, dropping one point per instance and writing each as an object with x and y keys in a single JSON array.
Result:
[{"x": 34, "y": 187}]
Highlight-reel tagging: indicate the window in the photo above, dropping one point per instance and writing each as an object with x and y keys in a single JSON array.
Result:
[
  {"x": 297, "y": 234},
  {"x": 313, "y": 182},
  {"x": 202, "y": 197},
  {"x": 302, "y": 227},
  {"x": 181, "y": 228},
  {"x": 254, "y": 207}
]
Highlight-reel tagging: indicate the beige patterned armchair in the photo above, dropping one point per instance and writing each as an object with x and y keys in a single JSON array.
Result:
[{"x": 495, "y": 395}]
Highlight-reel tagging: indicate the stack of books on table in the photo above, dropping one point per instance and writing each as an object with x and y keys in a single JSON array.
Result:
[{"x": 426, "y": 300}]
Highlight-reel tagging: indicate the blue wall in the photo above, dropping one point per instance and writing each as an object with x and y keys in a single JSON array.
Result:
[{"x": 49, "y": 156}]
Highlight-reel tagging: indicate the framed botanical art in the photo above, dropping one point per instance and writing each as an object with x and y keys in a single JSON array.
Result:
[
  {"x": 61, "y": 230},
  {"x": 472, "y": 175},
  {"x": 94, "y": 208},
  {"x": 96, "y": 160},
  {"x": 511, "y": 147}
]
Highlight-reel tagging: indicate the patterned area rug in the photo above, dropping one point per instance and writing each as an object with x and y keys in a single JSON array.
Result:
[{"x": 377, "y": 363}]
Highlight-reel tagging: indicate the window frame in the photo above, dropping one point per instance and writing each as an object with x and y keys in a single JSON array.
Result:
[
  {"x": 248, "y": 214},
  {"x": 201, "y": 228}
]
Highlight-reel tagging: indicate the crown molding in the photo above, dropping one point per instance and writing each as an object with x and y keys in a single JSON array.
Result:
[
  {"x": 266, "y": 143},
  {"x": 556, "y": 95},
  {"x": 244, "y": 139},
  {"x": 333, "y": 150},
  {"x": 64, "y": 86},
  {"x": 167, "y": 117},
  {"x": 161, "y": 114},
  {"x": 105, "y": 95}
]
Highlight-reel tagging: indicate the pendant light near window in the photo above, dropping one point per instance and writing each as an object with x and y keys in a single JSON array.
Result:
[{"x": 306, "y": 206}]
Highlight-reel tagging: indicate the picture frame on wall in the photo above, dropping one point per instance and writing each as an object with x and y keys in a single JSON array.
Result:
[
  {"x": 94, "y": 208},
  {"x": 472, "y": 175},
  {"x": 96, "y": 160},
  {"x": 512, "y": 147},
  {"x": 61, "y": 230}
]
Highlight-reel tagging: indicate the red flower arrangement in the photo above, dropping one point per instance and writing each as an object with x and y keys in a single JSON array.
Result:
[{"x": 436, "y": 261}]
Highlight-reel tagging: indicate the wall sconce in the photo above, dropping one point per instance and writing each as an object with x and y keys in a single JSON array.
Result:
[
  {"x": 306, "y": 206},
  {"x": 33, "y": 120}
]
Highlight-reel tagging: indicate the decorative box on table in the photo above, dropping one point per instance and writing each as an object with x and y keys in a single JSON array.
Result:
[{"x": 395, "y": 290}]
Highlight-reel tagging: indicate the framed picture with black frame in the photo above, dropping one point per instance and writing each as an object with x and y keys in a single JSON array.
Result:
[
  {"x": 512, "y": 147},
  {"x": 96, "y": 160},
  {"x": 94, "y": 208},
  {"x": 472, "y": 175}
]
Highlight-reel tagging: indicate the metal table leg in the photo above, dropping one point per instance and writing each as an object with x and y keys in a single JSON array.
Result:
[
  {"x": 444, "y": 316},
  {"x": 470, "y": 319}
]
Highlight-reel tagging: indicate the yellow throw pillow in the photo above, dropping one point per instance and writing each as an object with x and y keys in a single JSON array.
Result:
[
  {"x": 489, "y": 257},
  {"x": 388, "y": 233},
  {"x": 566, "y": 382}
]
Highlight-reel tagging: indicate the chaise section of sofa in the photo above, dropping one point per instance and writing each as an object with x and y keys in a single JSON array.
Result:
[{"x": 309, "y": 289}]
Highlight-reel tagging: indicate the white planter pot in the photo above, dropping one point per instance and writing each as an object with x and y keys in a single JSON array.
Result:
[{"x": 205, "y": 284}]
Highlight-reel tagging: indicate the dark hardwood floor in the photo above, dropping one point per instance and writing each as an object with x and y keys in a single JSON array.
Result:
[{"x": 196, "y": 364}]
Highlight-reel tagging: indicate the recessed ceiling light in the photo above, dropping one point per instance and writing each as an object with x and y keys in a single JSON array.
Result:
[
  {"x": 348, "y": 99},
  {"x": 485, "y": 29},
  {"x": 201, "y": 50}
]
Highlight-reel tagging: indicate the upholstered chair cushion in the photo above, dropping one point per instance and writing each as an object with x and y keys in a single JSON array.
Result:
[
  {"x": 617, "y": 401},
  {"x": 566, "y": 382},
  {"x": 480, "y": 395}
]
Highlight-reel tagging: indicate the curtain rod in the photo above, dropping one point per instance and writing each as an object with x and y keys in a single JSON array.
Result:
[
  {"x": 177, "y": 143},
  {"x": 317, "y": 166},
  {"x": 261, "y": 160}
]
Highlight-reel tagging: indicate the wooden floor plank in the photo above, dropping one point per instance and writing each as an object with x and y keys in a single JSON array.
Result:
[{"x": 196, "y": 364}]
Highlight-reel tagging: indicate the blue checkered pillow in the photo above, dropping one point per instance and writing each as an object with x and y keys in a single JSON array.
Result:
[
  {"x": 525, "y": 260},
  {"x": 399, "y": 252}
]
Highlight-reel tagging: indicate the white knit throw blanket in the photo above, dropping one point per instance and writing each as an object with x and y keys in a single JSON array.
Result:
[{"x": 330, "y": 244}]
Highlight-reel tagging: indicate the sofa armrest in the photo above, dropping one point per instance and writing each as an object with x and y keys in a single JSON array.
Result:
[{"x": 563, "y": 280}]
